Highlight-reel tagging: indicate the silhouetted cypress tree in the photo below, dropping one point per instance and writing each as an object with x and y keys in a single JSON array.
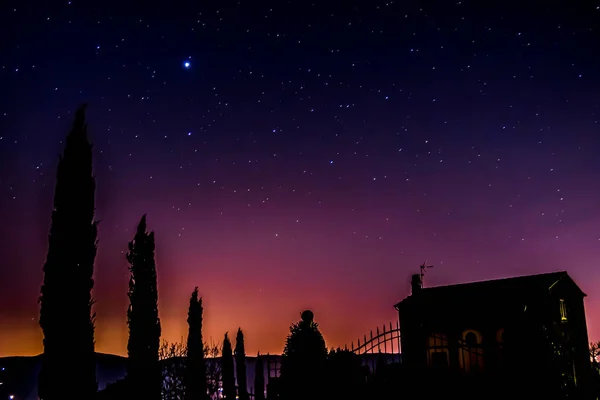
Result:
[
  {"x": 227, "y": 369},
  {"x": 259, "y": 379},
  {"x": 143, "y": 369},
  {"x": 240, "y": 365},
  {"x": 66, "y": 302},
  {"x": 304, "y": 361},
  {"x": 195, "y": 379}
]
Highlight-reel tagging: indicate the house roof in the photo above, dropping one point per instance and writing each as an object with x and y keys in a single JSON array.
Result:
[{"x": 529, "y": 283}]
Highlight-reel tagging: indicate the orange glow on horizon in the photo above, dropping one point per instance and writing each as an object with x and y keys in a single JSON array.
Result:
[
  {"x": 111, "y": 338},
  {"x": 25, "y": 338},
  {"x": 265, "y": 334},
  {"x": 236, "y": 295}
]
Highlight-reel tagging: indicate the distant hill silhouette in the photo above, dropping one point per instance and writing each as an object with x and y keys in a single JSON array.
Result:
[{"x": 21, "y": 374}]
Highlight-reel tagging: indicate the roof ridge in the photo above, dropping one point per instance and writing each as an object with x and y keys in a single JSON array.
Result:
[{"x": 510, "y": 278}]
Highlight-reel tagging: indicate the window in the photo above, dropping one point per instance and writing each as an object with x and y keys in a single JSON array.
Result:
[
  {"x": 437, "y": 350},
  {"x": 471, "y": 339},
  {"x": 471, "y": 351},
  {"x": 563, "y": 311}
]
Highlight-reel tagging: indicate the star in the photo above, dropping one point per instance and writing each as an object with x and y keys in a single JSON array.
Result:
[{"x": 467, "y": 138}]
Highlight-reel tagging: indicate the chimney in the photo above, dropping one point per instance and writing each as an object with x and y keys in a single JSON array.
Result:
[{"x": 416, "y": 284}]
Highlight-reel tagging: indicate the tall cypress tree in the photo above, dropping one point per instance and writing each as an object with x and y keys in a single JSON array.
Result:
[
  {"x": 195, "y": 378},
  {"x": 66, "y": 302},
  {"x": 227, "y": 369},
  {"x": 240, "y": 365},
  {"x": 143, "y": 369},
  {"x": 259, "y": 379}
]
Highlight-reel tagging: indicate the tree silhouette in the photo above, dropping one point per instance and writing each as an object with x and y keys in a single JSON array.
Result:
[
  {"x": 143, "y": 369},
  {"x": 214, "y": 374},
  {"x": 595, "y": 367},
  {"x": 259, "y": 379},
  {"x": 240, "y": 365},
  {"x": 594, "y": 349},
  {"x": 195, "y": 382},
  {"x": 304, "y": 360},
  {"x": 172, "y": 358},
  {"x": 227, "y": 369},
  {"x": 114, "y": 391},
  {"x": 66, "y": 302}
]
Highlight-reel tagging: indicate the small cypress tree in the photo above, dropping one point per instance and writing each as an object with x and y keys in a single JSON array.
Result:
[
  {"x": 228, "y": 369},
  {"x": 240, "y": 365},
  {"x": 66, "y": 302},
  {"x": 195, "y": 380},
  {"x": 143, "y": 369},
  {"x": 259, "y": 379}
]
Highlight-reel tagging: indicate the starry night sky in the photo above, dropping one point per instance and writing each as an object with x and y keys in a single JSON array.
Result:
[{"x": 310, "y": 155}]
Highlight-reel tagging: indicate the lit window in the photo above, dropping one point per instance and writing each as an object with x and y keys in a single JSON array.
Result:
[
  {"x": 563, "y": 310},
  {"x": 437, "y": 350},
  {"x": 471, "y": 351}
]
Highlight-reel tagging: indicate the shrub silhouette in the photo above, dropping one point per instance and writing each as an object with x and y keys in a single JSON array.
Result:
[
  {"x": 304, "y": 360},
  {"x": 346, "y": 377},
  {"x": 259, "y": 378},
  {"x": 214, "y": 374},
  {"x": 172, "y": 358}
]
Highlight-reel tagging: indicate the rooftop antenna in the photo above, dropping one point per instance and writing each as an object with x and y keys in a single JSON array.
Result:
[{"x": 423, "y": 267}]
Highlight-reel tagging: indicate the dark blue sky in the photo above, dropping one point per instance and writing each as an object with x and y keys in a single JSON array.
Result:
[{"x": 312, "y": 155}]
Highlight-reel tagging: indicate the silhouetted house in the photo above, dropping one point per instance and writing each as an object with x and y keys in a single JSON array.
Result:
[{"x": 520, "y": 331}]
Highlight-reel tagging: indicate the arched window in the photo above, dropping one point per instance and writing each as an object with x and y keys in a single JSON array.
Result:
[
  {"x": 437, "y": 350},
  {"x": 471, "y": 339},
  {"x": 471, "y": 351}
]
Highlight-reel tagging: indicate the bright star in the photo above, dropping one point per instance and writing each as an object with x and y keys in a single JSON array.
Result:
[{"x": 187, "y": 64}]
